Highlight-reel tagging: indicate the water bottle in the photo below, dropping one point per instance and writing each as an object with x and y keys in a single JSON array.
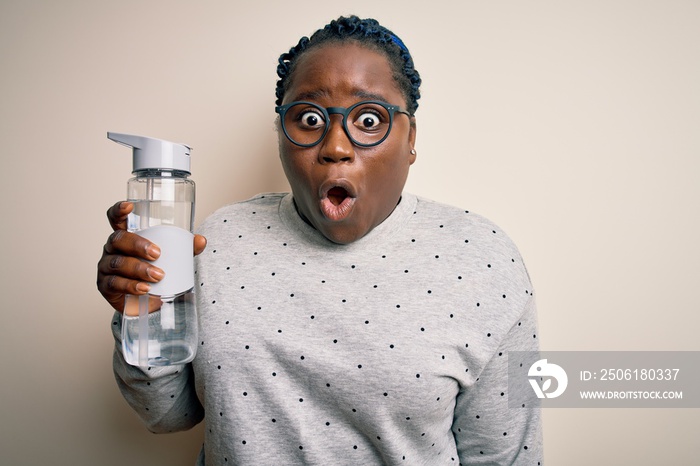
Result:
[{"x": 160, "y": 328}]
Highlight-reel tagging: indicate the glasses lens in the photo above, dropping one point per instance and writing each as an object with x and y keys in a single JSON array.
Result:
[
  {"x": 305, "y": 123},
  {"x": 368, "y": 123}
]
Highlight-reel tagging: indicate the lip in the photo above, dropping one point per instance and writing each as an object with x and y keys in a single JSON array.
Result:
[{"x": 332, "y": 209}]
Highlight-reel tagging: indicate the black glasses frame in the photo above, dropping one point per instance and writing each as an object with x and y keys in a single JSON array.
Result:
[{"x": 328, "y": 111}]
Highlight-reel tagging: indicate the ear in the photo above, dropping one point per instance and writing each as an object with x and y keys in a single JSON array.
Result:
[{"x": 412, "y": 140}]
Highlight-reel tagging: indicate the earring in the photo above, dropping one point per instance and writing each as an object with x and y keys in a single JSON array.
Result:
[{"x": 413, "y": 152}]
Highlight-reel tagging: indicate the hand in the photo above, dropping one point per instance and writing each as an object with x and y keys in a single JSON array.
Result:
[{"x": 123, "y": 268}]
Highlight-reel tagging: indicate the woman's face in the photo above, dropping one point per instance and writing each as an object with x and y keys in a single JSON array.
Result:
[{"x": 341, "y": 189}]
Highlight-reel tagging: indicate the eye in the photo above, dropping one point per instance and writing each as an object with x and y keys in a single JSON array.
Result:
[
  {"x": 311, "y": 119},
  {"x": 367, "y": 120}
]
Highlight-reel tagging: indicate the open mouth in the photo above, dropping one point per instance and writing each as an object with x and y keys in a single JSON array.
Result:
[
  {"x": 337, "y": 199},
  {"x": 337, "y": 195}
]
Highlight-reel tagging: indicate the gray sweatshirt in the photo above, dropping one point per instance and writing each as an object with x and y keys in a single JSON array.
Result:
[{"x": 389, "y": 350}]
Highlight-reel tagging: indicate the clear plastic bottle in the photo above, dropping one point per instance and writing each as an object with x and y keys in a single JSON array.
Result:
[{"x": 160, "y": 328}]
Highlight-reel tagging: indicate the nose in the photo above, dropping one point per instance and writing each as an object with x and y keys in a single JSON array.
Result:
[{"x": 336, "y": 145}]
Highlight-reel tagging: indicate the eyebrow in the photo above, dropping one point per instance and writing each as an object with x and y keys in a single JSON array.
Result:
[
  {"x": 370, "y": 96},
  {"x": 311, "y": 95}
]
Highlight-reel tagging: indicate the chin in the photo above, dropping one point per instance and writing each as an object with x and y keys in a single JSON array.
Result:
[{"x": 341, "y": 235}]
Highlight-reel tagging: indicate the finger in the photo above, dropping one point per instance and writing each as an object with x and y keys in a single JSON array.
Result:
[
  {"x": 118, "y": 213},
  {"x": 130, "y": 268},
  {"x": 115, "y": 286},
  {"x": 200, "y": 242},
  {"x": 122, "y": 302},
  {"x": 130, "y": 244}
]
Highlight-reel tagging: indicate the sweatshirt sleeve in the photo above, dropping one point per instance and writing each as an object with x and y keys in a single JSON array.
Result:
[
  {"x": 486, "y": 429},
  {"x": 164, "y": 397}
]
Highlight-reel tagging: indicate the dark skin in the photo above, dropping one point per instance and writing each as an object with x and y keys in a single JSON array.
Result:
[
  {"x": 371, "y": 180},
  {"x": 124, "y": 268},
  {"x": 372, "y": 177}
]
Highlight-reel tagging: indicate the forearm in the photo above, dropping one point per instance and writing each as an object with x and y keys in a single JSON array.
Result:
[{"x": 163, "y": 397}]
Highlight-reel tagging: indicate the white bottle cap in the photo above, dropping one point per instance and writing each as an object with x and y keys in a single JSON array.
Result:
[{"x": 151, "y": 153}]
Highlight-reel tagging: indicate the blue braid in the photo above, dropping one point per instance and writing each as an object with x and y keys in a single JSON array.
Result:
[{"x": 399, "y": 42}]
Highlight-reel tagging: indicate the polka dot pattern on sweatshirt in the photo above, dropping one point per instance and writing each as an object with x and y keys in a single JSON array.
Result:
[{"x": 392, "y": 344}]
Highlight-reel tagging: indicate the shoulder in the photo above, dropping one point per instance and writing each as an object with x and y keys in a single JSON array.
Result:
[
  {"x": 471, "y": 239},
  {"x": 259, "y": 207},
  {"x": 458, "y": 223}
]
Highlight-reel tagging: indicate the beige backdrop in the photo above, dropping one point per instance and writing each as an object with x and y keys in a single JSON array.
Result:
[{"x": 575, "y": 125}]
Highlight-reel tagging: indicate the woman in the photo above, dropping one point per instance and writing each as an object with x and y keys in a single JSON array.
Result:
[{"x": 347, "y": 322}]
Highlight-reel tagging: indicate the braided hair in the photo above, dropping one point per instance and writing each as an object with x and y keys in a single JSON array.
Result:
[{"x": 368, "y": 33}]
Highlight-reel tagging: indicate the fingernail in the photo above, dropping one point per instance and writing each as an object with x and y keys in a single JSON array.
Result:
[
  {"x": 153, "y": 250},
  {"x": 155, "y": 274},
  {"x": 143, "y": 287}
]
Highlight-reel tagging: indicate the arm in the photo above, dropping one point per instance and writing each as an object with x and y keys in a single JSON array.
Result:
[
  {"x": 486, "y": 429},
  {"x": 164, "y": 397}
]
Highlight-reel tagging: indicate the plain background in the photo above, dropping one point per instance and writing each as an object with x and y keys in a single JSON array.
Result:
[{"x": 574, "y": 125}]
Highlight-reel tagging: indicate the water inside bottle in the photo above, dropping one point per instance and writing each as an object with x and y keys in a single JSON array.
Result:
[{"x": 171, "y": 333}]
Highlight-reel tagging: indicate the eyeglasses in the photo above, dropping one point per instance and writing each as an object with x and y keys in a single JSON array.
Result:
[{"x": 366, "y": 123}]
